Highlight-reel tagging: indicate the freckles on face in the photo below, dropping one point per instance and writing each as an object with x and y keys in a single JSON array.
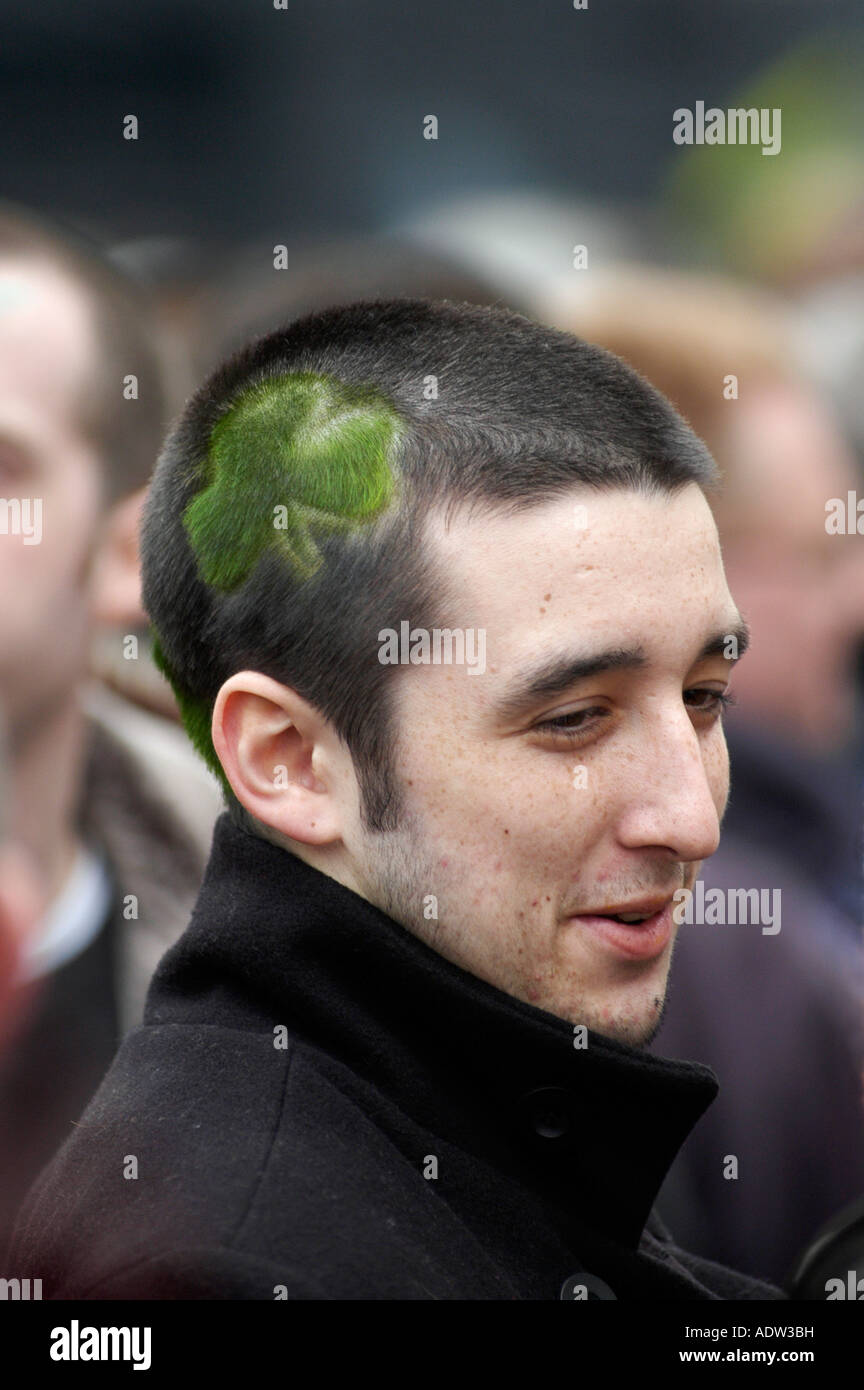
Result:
[
  {"x": 529, "y": 826},
  {"x": 505, "y": 830}
]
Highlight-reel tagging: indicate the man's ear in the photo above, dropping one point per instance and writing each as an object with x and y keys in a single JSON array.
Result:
[
  {"x": 116, "y": 575},
  {"x": 281, "y": 757}
]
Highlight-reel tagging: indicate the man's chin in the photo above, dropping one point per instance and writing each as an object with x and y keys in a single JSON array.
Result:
[
  {"x": 637, "y": 1035},
  {"x": 633, "y": 1030}
]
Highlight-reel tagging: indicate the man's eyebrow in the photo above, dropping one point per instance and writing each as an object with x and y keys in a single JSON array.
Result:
[
  {"x": 738, "y": 633},
  {"x": 558, "y": 675}
]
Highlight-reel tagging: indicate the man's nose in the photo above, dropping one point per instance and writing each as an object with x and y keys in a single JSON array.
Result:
[{"x": 672, "y": 802}]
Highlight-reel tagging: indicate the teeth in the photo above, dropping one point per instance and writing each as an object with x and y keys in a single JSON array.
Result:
[{"x": 632, "y": 916}]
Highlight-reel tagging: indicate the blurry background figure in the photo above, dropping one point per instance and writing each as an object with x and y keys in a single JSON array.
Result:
[
  {"x": 829, "y": 340},
  {"x": 780, "y": 1017},
  {"x": 534, "y": 245},
  {"x": 21, "y": 904},
  {"x": 175, "y": 273},
  {"x": 795, "y": 218},
  {"x": 109, "y": 804},
  {"x": 172, "y": 275},
  {"x": 246, "y": 296}
]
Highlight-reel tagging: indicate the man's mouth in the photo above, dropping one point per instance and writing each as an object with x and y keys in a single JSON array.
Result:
[
  {"x": 638, "y": 930},
  {"x": 632, "y": 911}
]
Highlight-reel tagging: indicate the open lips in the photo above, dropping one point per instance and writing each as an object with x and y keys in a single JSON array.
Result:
[{"x": 630, "y": 913}]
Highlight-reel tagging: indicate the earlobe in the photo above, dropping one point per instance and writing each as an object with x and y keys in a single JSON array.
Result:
[{"x": 270, "y": 742}]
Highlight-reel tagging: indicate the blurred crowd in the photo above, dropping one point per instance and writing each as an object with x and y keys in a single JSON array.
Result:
[{"x": 106, "y": 814}]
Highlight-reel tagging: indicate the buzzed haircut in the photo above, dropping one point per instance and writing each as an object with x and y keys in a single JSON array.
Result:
[{"x": 285, "y": 523}]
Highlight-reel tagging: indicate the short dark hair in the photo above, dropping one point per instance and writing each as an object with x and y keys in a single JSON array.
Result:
[
  {"x": 361, "y": 419},
  {"x": 125, "y": 433}
]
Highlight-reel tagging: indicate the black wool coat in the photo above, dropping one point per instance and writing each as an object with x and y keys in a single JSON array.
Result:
[{"x": 320, "y": 1106}]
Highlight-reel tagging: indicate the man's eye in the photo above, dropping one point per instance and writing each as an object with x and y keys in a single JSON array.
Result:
[
  {"x": 12, "y": 469},
  {"x": 709, "y": 701},
  {"x": 571, "y": 725}
]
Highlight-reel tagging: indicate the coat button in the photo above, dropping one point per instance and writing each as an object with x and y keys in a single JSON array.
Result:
[
  {"x": 584, "y": 1286},
  {"x": 548, "y": 1111}
]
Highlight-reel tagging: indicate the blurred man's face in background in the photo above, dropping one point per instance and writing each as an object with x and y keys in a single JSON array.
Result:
[
  {"x": 524, "y": 853},
  {"x": 801, "y": 588},
  {"x": 47, "y": 352}
]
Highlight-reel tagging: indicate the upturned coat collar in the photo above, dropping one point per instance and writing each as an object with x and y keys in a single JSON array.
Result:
[{"x": 273, "y": 941}]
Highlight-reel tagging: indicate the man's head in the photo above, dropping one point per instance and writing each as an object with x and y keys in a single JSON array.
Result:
[
  {"x": 76, "y": 445},
  {"x": 448, "y": 467}
]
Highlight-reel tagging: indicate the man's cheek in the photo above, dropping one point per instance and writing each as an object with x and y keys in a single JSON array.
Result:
[{"x": 717, "y": 772}]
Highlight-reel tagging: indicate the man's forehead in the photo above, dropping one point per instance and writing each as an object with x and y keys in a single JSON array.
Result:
[
  {"x": 619, "y": 540},
  {"x": 37, "y": 297},
  {"x": 47, "y": 338}
]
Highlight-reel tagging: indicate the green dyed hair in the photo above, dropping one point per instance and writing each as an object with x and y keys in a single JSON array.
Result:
[
  {"x": 196, "y": 714},
  {"x": 296, "y": 457}
]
